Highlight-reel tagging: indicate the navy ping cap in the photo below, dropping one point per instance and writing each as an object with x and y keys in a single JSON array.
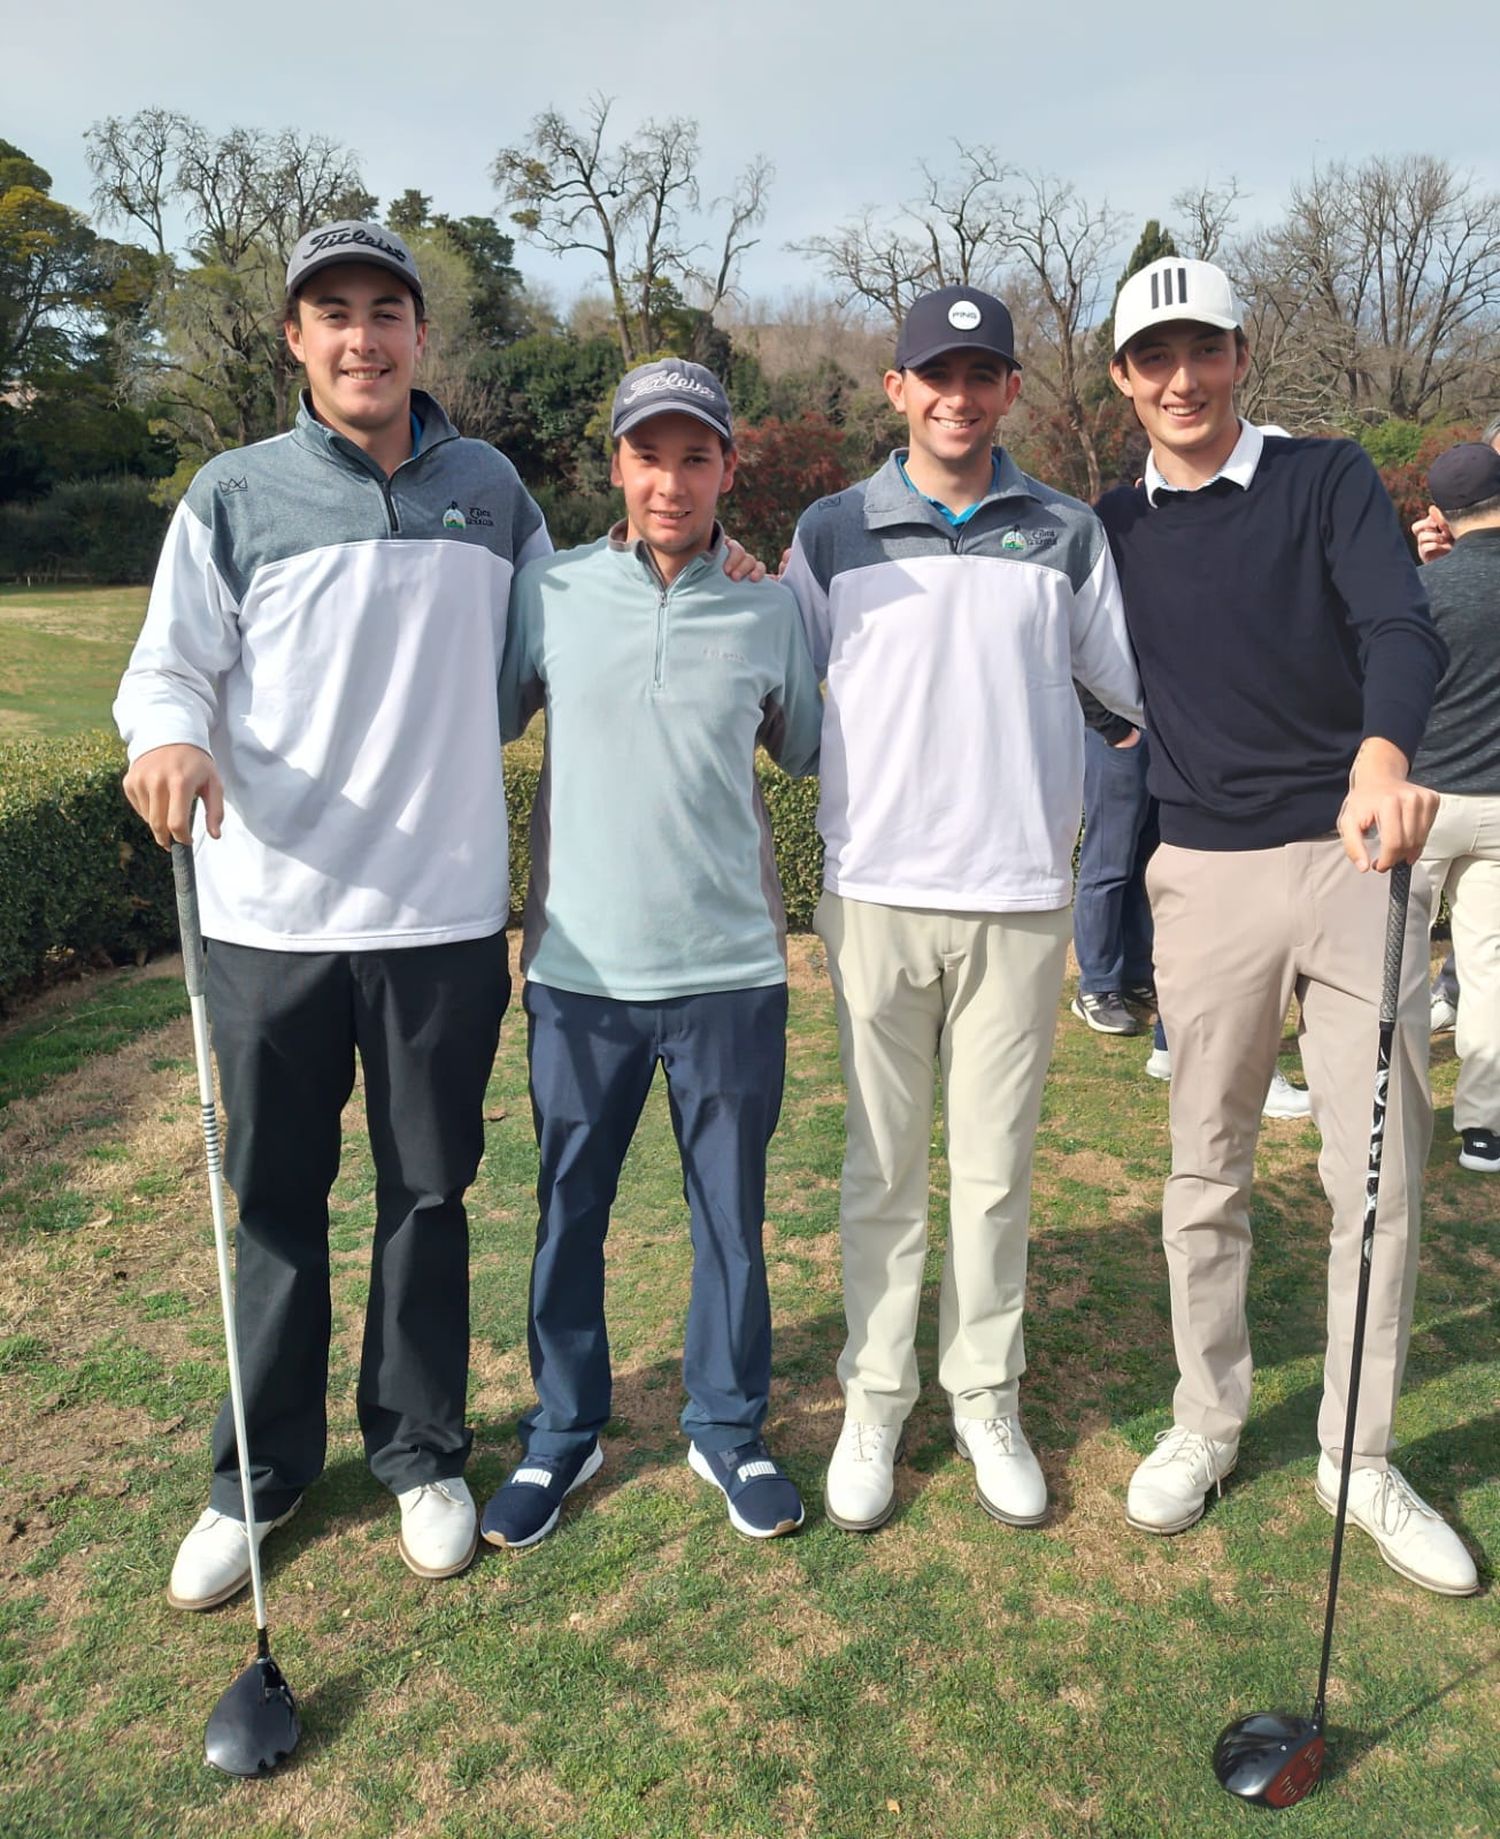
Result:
[{"x": 955, "y": 319}]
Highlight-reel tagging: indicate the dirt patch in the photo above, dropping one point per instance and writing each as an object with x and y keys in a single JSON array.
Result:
[{"x": 806, "y": 963}]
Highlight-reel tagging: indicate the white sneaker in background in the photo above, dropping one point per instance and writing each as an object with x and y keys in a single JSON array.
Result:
[{"x": 1283, "y": 1099}]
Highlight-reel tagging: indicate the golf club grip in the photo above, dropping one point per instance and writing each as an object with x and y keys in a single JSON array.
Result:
[
  {"x": 187, "y": 917},
  {"x": 1395, "y": 939}
]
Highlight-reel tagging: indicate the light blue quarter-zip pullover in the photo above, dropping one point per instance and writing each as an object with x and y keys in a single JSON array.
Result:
[{"x": 652, "y": 871}]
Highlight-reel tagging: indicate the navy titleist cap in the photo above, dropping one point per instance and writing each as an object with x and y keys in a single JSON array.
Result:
[
  {"x": 1463, "y": 476},
  {"x": 955, "y": 319},
  {"x": 351, "y": 241},
  {"x": 667, "y": 387}
]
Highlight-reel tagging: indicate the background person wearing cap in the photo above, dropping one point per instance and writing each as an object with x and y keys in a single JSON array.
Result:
[
  {"x": 1288, "y": 662},
  {"x": 655, "y": 934},
  {"x": 1460, "y": 759},
  {"x": 318, "y": 668},
  {"x": 1434, "y": 538},
  {"x": 950, "y": 601},
  {"x": 1432, "y": 532}
]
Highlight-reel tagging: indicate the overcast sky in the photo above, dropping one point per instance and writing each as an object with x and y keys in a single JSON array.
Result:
[{"x": 845, "y": 96}]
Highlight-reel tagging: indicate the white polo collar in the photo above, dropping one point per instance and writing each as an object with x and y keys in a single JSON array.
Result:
[{"x": 1239, "y": 468}]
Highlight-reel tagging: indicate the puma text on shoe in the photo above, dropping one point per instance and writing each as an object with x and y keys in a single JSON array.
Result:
[
  {"x": 1481, "y": 1152},
  {"x": 763, "y": 1502},
  {"x": 526, "y": 1507}
]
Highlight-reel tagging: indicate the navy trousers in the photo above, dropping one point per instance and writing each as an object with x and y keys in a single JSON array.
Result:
[
  {"x": 592, "y": 1062},
  {"x": 1112, "y": 931},
  {"x": 286, "y": 1025}
]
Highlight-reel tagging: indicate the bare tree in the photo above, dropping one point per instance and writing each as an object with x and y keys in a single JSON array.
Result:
[
  {"x": 1386, "y": 279},
  {"x": 1206, "y": 215},
  {"x": 632, "y": 204},
  {"x": 246, "y": 197},
  {"x": 134, "y": 163},
  {"x": 947, "y": 236},
  {"x": 1061, "y": 247},
  {"x": 871, "y": 263},
  {"x": 746, "y": 205}
]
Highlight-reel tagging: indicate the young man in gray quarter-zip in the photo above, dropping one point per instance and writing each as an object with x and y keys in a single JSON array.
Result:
[
  {"x": 950, "y": 601},
  {"x": 317, "y": 669},
  {"x": 655, "y": 936}
]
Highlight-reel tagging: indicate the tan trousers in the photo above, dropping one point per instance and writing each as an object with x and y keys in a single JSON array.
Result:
[
  {"x": 1463, "y": 858},
  {"x": 978, "y": 993},
  {"x": 1238, "y": 934}
]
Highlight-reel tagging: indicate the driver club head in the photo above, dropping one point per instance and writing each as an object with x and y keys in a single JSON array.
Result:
[
  {"x": 254, "y": 1726},
  {"x": 1270, "y": 1758}
]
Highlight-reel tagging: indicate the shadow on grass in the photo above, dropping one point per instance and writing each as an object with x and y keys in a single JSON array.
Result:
[
  {"x": 1347, "y": 1747},
  {"x": 1103, "y": 1359}
]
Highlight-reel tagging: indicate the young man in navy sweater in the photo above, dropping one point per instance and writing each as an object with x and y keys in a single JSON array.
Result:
[{"x": 1288, "y": 662}]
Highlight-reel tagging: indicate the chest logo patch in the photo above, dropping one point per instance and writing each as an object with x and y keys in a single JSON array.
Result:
[
  {"x": 1023, "y": 542},
  {"x": 453, "y": 518}
]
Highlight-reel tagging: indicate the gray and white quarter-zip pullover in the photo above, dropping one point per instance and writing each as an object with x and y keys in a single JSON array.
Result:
[
  {"x": 333, "y": 639},
  {"x": 952, "y": 762}
]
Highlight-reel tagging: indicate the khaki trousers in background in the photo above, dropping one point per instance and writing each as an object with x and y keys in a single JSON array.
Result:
[
  {"x": 1463, "y": 859},
  {"x": 978, "y": 994},
  {"x": 1238, "y": 934}
]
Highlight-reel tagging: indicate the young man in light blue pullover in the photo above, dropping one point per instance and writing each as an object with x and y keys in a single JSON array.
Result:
[{"x": 654, "y": 934}]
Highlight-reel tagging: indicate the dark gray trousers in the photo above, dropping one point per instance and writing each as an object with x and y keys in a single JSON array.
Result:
[{"x": 425, "y": 1022}]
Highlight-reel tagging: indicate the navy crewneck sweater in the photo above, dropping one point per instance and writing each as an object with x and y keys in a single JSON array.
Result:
[{"x": 1276, "y": 628}]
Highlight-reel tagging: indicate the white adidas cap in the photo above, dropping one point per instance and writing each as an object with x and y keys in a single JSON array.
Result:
[{"x": 1172, "y": 288}]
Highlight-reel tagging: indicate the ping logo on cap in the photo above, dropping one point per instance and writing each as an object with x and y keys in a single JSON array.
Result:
[{"x": 963, "y": 315}]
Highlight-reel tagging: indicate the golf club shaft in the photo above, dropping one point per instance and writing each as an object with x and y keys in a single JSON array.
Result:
[
  {"x": 1390, "y": 997},
  {"x": 192, "y": 963}
]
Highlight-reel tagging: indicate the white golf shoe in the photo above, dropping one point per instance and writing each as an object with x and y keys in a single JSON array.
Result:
[
  {"x": 1007, "y": 1474},
  {"x": 439, "y": 1527},
  {"x": 859, "y": 1492},
  {"x": 1283, "y": 1099},
  {"x": 1414, "y": 1538},
  {"x": 1168, "y": 1491},
  {"x": 213, "y": 1561}
]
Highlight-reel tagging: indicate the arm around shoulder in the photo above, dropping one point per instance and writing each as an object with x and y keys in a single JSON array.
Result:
[{"x": 793, "y": 729}]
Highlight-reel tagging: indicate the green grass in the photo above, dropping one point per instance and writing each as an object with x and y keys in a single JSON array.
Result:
[
  {"x": 106, "y": 1013},
  {"x": 62, "y": 650},
  {"x": 647, "y": 1674}
]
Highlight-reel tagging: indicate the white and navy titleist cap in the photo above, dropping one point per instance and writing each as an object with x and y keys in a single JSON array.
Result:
[
  {"x": 667, "y": 387},
  {"x": 351, "y": 241},
  {"x": 1173, "y": 288}
]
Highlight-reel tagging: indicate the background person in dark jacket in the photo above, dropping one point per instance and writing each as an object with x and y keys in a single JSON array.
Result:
[{"x": 1460, "y": 759}]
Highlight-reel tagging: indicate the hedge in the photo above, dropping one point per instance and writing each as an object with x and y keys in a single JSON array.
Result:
[
  {"x": 81, "y": 879},
  {"x": 79, "y": 876},
  {"x": 99, "y": 530}
]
